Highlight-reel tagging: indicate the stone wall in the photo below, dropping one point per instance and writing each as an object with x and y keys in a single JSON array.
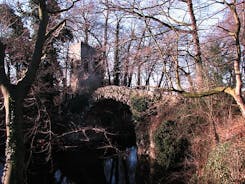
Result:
[{"x": 87, "y": 73}]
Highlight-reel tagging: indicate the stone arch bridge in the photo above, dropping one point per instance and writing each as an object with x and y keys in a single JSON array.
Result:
[{"x": 126, "y": 95}]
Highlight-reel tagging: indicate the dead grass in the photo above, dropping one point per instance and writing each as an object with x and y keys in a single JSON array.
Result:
[{"x": 233, "y": 128}]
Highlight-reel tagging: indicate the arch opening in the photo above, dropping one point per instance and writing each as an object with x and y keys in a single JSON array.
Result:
[{"x": 110, "y": 156}]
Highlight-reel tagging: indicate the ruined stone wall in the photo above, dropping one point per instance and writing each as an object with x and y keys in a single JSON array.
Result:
[{"x": 87, "y": 73}]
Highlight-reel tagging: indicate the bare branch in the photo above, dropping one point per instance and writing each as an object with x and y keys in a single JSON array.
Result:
[
  {"x": 65, "y": 9},
  {"x": 61, "y": 24},
  {"x": 135, "y": 11},
  {"x": 83, "y": 130},
  {"x": 226, "y": 30}
]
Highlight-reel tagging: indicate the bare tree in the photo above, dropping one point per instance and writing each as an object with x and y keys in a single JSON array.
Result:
[{"x": 14, "y": 95}]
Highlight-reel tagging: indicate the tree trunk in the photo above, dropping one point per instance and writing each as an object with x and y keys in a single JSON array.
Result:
[
  {"x": 240, "y": 102},
  {"x": 237, "y": 62},
  {"x": 14, "y": 171},
  {"x": 126, "y": 66},
  {"x": 15, "y": 149},
  {"x": 105, "y": 44},
  {"x": 116, "y": 56},
  {"x": 197, "y": 47},
  {"x": 139, "y": 75},
  {"x": 147, "y": 82},
  {"x": 238, "y": 98},
  {"x": 130, "y": 78}
]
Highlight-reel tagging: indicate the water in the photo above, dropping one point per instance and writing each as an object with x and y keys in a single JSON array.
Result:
[
  {"x": 109, "y": 171},
  {"x": 132, "y": 163},
  {"x": 60, "y": 178},
  {"x": 121, "y": 168},
  {"x": 117, "y": 170}
]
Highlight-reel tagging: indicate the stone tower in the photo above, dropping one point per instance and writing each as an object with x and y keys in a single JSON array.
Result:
[{"x": 87, "y": 73}]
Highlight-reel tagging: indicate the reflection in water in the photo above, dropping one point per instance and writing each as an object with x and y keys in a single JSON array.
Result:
[
  {"x": 132, "y": 163},
  {"x": 109, "y": 171},
  {"x": 60, "y": 178},
  {"x": 121, "y": 170}
]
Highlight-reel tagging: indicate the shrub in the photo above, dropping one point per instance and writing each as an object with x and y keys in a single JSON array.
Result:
[
  {"x": 170, "y": 146},
  {"x": 139, "y": 103},
  {"x": 217, "y": 170},
  {"x": 139, "y": 107},
  {"x": 226, "y": 164}
]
